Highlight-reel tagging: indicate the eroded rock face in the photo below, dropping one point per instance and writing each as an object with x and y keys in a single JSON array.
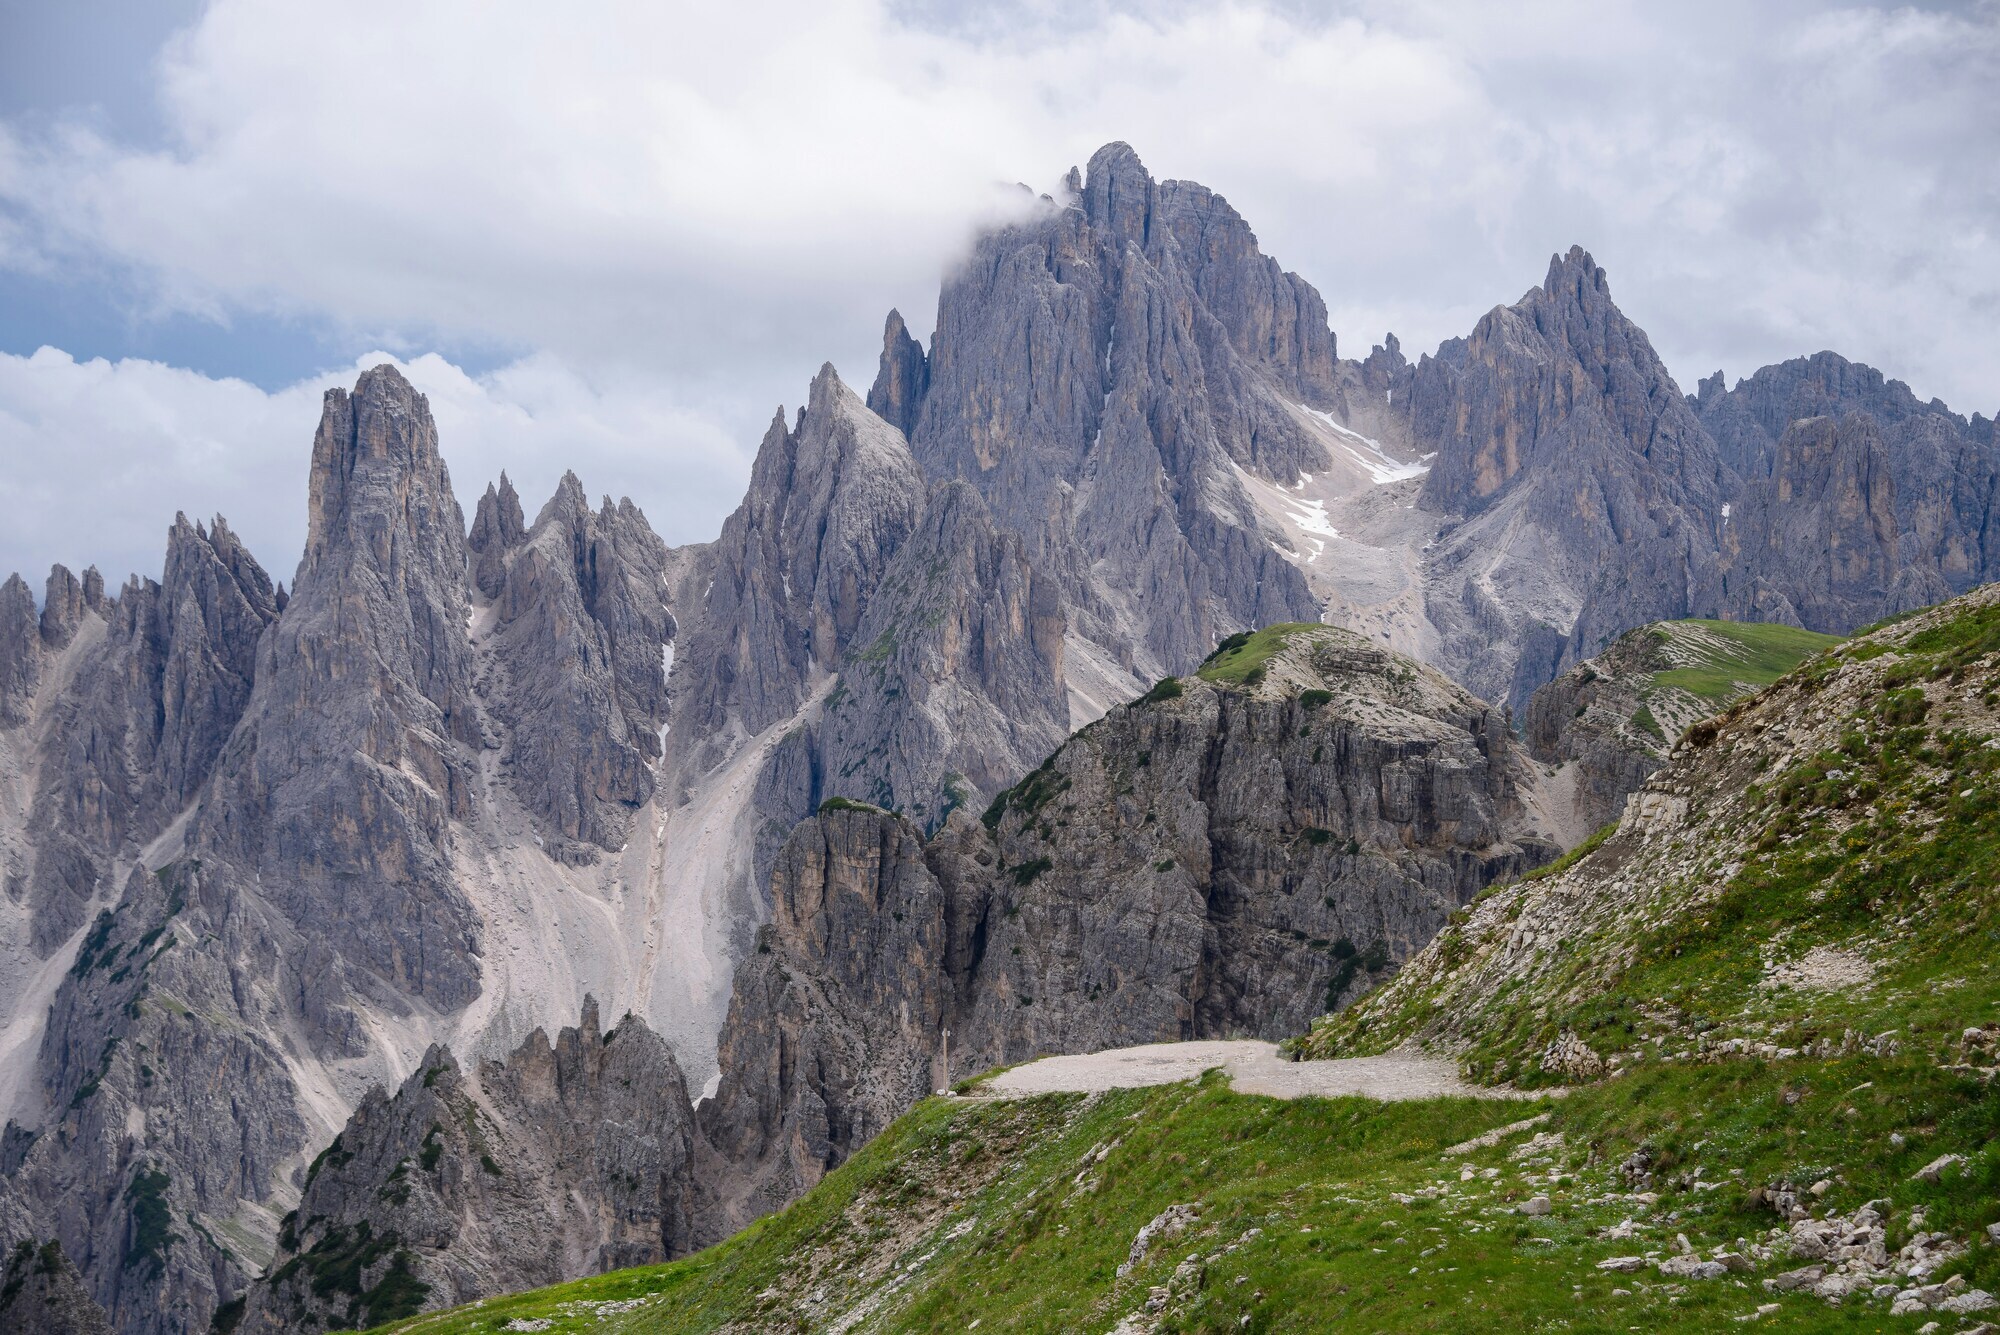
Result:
[
  {"x": 498, "y": 527},
  {"x": 563, "y": 1161},
  {"x": 958, "y": 682},
  {"x": 903, "y": 378},
  {"x": 1080, "y": 382},
  {"x": 1226, "y": 861},
  {"x": 165, "y": 1101},
  {"x": 20, "y": 650},
  {"x": 830, "y": 502},
  {"x": 581, "y": 622},
  {"x": 1589, "y": 494},
  {"x": 152, "y": 699},
  {"x": 833, "y": 1013},
  {"x": 42, "y": 1294},
  {"x": 355, "y": 750}
]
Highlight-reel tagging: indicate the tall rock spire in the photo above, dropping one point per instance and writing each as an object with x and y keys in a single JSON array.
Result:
[
  {"x": 905, "y": 374},
  {"x": 355, "y": 751}
]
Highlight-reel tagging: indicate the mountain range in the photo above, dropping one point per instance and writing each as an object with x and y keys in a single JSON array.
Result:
[{"x": 299, "y": 879}]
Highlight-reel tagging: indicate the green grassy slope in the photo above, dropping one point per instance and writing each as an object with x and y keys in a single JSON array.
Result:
[
  {"x": 1315, "y": 1215},
  {"x": 1759, "y": 655}
]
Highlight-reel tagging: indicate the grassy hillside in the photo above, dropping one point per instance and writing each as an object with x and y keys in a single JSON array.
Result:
[
  {"x": 1741, "y": 656},
  {"x": 1315, "y": 1215}
]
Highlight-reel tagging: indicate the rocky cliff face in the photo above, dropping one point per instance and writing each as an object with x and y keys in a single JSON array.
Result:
[
  {"x": 1082, "y": 384},
  {"x": 355, "y": 752},
  {"x": 42, "y": 1294},
  {"x": 152, "y": 696},
  {"x": 1227, "y": 859},
  {"x": 558, "y": 1162},
  {"x": 1859, "y": 501},
  {"x": 580, "y": 618},
  {"x": 1585, "y": 496}
]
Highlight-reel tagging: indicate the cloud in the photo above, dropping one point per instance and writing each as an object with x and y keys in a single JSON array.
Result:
[
  {"x": 696, "y": 205},
  {"x": 100, "y": 455}
]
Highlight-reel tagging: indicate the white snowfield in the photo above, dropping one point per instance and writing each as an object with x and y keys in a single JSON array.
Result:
[{"x": 1253, "y": 1067}]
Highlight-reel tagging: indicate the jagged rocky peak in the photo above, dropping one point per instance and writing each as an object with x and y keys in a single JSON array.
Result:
[
  {"x": 356, "y": 748},
  {"x": 1276, "y": 320},
  {"x": 898, "y": 393},
  {"x": 149, "y": 706},
  {"x": 582, "y": 624},
  {"x": 20, "y": 650},
  {"x": 498, "y": 527},
  {"x": 62, "y": 607},
  {"x": 831, "y": 499},
  {"x": 1119, "y": 194},
  {"x": 959, "y": 681},
  {"x": 1563, "y": 352},
  {"x": 563, "y": 1160}
]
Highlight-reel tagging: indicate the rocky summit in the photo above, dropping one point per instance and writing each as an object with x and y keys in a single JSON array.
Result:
[{"x": 1123, "y": 666}]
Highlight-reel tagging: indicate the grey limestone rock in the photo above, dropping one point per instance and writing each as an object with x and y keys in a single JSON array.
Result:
[
  {"x": 1588, "y": 497},
  {"x": 581, "y": 621},
  {"x": 168, "y": 1111},
  {"x": 20, "y": 650},
  {"x": 159, "y": 685},
  {"x": 957, "y": 682},
  {"x": 1080, "y": 382},
  {"x": 498, "y": 527},
  {"x": 902, "y": 380},
  {"x": 42, "y": 1294},
  {"x": 1226, "y": 860},
  {"x": 563, "y": 1160},
  {"x": 830, "y": 501},
  {"x": 355, "y": 751}
]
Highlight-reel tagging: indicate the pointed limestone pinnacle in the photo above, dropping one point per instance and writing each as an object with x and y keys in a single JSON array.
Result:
[{"x": 898, "y": 392}]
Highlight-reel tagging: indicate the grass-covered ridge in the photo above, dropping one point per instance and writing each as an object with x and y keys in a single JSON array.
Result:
[
  {"x": 1751, "y": 656},
  {"x": 1241, "y": 658}
]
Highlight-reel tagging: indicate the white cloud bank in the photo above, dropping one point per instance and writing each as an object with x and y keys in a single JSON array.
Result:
[
  {"x": 100, "y": 455},
  {"x": 693, "y": 206}
]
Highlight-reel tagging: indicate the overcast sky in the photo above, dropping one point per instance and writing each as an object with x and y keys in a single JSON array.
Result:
[{"x": 614, "y": 237}]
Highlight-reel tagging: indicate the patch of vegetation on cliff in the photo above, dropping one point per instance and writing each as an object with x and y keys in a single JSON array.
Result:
[
  {"x": 1760, "y": 654},
  {"x": 1243, "y": 655}
]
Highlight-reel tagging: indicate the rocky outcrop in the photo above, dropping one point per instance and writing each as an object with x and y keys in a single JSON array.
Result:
[
  {"x": 830, "y": 501},
  {"x": 833, "y": 1014},
  {"x": 42, "y": 1294},
  {"x": 1817, "y": 543},
  {"x": 145, "y": 715},
  {"x": 168, "y": 1111},
  {"x": 562, "y": 1161},
  {"x": 1613, "y": 720},
  {"x": 1081, "y": 384},
  {"x": 20, "y": 650},
  {"x": 498, "y": 527},
  {"x": 1216, "y": 860},
  {"x": 1860, "y": 501},
  {"x": 957, "y": 684},
  {"x": 903, "y": 378},
  {"x": 580, "y": 629}
]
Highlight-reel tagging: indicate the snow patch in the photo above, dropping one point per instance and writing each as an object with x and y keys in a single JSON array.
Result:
[{"x": 1377, "y": 462}]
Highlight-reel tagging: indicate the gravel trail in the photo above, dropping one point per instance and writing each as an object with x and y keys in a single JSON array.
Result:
[{"x": 1253, "y": 1068}]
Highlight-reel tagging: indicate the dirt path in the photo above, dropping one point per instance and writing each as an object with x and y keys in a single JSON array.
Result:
[{"x": 1253, "y": 1068}]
